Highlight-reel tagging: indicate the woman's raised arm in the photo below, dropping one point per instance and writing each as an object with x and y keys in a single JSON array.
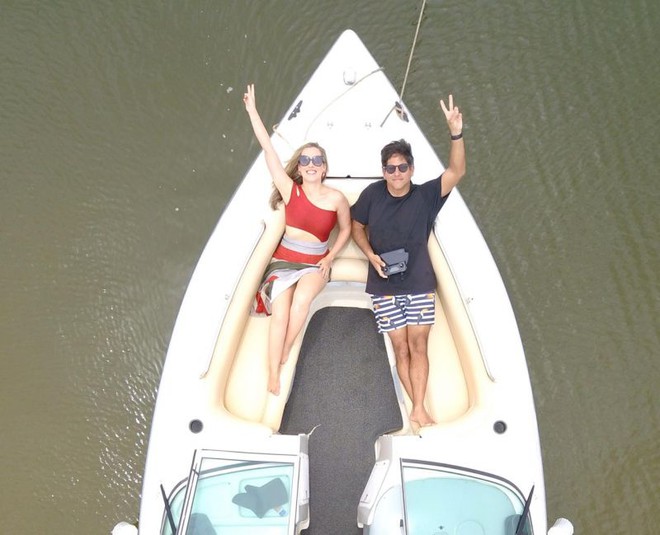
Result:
[{"x": 281, "y": 180}]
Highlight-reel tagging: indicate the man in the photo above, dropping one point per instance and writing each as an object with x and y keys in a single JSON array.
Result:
[{"x": 397, "y": 214}]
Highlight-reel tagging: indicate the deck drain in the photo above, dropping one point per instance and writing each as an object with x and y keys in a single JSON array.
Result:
[
  {"x": 499, "y": 427},
  {"x": 196, "y": 426}
]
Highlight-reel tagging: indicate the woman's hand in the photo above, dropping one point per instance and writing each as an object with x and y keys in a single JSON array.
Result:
[
  {"x": 453, "y": 116},
  {"x": 325, "y": 266},
  {"x": 282, "y": 181},
  {"x": 249, "y": 99}
]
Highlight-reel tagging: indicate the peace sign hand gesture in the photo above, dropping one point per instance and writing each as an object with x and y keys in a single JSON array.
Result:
[
  {"x": 453, "y": 116},
  {"x": 249, "y": 99}
]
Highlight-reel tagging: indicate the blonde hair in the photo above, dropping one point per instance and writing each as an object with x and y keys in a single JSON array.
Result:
[{"x": 291, "y": 169}]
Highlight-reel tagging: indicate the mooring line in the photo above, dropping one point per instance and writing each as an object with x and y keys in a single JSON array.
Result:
[
  {"x": 412, "y": 50},
  {"x": 398, "y": 106}
]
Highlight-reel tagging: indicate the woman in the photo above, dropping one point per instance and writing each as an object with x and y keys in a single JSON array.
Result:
[{"x": 301, "y": 263}]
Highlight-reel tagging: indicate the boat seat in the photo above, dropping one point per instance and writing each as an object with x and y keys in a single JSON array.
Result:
[
  {"x": 248, "y": 371},
  {"x": 450, "y": 338},
  {"x": 452, "y": 348}
]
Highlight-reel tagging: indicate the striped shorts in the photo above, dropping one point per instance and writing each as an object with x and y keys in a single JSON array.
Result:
[{"x": 395, "y": 311}]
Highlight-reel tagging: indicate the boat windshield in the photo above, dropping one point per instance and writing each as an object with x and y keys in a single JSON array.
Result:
[
  {"x": 225, "y": 495},
  {"x": 443, "y": 500}
]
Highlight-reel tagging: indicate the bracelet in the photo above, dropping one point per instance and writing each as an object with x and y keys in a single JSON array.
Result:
[{"x": 456, "y": 137}]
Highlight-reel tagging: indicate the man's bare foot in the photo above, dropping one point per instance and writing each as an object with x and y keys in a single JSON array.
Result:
[
  {"x": 421, "y": 417},
  {"x": 274, "y": 385}
]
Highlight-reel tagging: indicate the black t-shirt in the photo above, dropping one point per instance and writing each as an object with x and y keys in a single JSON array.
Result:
[{"x": 401, "y": 222}]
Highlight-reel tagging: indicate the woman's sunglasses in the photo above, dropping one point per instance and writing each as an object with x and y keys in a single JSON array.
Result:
[
  {"x": 317, "y": 160},
  {"x": 389, "y": 169}
]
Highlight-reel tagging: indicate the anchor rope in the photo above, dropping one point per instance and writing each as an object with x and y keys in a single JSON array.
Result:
[
  {"x": 412, "y": 49},
  {"x": 398, "y": 106}
]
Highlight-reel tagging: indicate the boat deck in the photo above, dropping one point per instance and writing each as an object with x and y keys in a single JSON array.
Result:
[
  {"x": 237, "y": 365},
  {"x": 344, "y": 386}
]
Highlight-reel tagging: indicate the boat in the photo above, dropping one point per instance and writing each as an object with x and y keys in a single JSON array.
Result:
[{"x": 217, "y": 460}]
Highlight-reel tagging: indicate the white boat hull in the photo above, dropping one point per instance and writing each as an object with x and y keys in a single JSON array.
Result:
[{"x": 213, "y": 394}]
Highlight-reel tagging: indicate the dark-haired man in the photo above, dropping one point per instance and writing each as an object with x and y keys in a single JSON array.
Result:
[{"x": 392, "y": 219}]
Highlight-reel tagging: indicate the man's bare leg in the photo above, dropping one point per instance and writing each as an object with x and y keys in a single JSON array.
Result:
[
  {"x": 399, "y": 339},
  {"x": 418, "y": 336}
]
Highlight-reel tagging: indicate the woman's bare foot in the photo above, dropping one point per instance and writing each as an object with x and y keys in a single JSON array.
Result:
[
  {"x": 274, "y": 385},
  {"x": 285, "y": 355},
  {"x": 421, "y": 417}
]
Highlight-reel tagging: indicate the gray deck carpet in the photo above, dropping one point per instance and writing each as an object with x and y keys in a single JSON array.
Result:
[{"x": 344, "y": 385}]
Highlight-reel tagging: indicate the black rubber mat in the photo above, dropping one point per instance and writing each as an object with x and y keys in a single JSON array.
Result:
[{"x": 344, "y": 385}]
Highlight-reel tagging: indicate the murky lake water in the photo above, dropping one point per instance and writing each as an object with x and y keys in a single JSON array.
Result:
[{"x": 123, "y": 136}]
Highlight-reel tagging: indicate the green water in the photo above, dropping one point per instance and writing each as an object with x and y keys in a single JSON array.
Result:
[{"x": 123, "y": 135}]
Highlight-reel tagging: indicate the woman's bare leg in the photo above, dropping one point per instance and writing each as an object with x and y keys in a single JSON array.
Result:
[
  {"x": 307, "y": 288},
  {"x": 279, "y": 322}
]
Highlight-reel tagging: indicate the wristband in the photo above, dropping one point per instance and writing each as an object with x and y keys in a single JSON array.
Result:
[{"x": 456, "y": 137}]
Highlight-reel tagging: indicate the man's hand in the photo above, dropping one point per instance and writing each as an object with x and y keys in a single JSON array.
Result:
[
  {"x": 453, "y": 116},
  {"x": 378, "y": 263}
]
